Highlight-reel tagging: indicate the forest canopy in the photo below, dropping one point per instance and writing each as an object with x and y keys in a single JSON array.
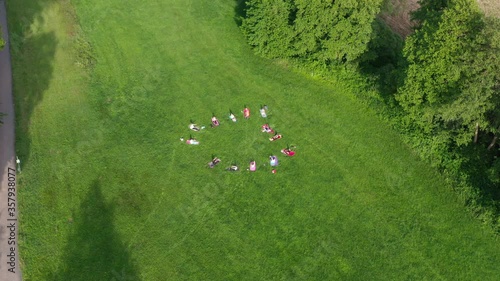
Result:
[{"x": 322, "y": 31}]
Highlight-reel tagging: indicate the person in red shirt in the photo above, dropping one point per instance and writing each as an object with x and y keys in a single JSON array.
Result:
[
  {"x": 276, "y": 137},
  {"x": 288, "y": 152},
  {"x": 246, "y": 112}
]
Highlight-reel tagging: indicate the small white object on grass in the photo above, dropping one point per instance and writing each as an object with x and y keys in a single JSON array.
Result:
[
  {"x": 182, "y": 139},
  {"x": 18, "y": 164}
]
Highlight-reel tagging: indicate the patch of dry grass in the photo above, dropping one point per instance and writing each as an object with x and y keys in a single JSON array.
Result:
[
  {"x": 490, "y": 7},
  {"x": 396, "y": 15}
]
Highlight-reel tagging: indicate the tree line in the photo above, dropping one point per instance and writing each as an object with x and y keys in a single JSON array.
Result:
[
  {"x": 442, "y": 82},
  {"x": 322, "y": 31}
]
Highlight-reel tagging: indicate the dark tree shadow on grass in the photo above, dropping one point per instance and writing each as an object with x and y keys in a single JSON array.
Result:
[
  {"x": 35, "y": 59},
  {"x": 95, "y": 250},
  {"x": 32, "y": 71}
]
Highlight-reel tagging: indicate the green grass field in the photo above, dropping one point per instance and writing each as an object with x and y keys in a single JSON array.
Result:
[{"x": 108, "y": 190}]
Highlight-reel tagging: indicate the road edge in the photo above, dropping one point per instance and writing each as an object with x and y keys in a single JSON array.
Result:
[{"x": 9, "y": 248}]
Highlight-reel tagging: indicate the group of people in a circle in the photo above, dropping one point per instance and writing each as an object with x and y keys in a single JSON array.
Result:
[{"x": 273, "y": 159}]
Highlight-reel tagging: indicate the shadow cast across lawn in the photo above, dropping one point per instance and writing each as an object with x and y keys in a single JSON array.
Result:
[
  {"x": 32, "y": 55},
  {"x": 94, "y": 250}
]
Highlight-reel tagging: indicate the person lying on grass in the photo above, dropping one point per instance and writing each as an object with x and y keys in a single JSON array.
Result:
[
  {"x": 214, "y": 162},
  {"x": 288, "y": 152},
  {"x": 276, "y": 137},
  {"x": 267, "y": 129},
  {"x": 194, "y": 127},
  {"x": 232, "y": 168},
  {"x": 192, "y": 140},
  {"x": 246, "y": 112},
  {"x": 231, "y": 116},
  {"x": 215, "y": 122}
]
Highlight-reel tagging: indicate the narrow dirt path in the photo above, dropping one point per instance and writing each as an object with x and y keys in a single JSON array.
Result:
[
  {"x": 9, "y": 255},
  {"x": 490, "y": 7},
  {"x": 399, "y": 19}
]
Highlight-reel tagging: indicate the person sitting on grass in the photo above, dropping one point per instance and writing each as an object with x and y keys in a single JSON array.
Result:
[
  {"x": 246, "y": 112},
  {"x": 215, "y": 122},
  {"x": 214, "y": 162},
  {"x": 267, "y": 129},
  {"x": 263, "y": 112},
  {"x": 276, "y": 137},
  {"x": 231, "y": 116},
  {"x": 232, "y": 168},
  {"x": 273, "y": 161},
  {"x": 253, "y": 166}
]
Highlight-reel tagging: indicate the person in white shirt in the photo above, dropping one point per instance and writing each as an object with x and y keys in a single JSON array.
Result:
[
  {"x": 263, "y": 112},
  {"x": 232, "y": 117},
  {"x": 194, "y": 127}
]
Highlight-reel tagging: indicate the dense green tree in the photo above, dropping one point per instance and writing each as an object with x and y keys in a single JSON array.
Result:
[
  {"x": 334, "y": 30},
  {"x": 452, "y": 77},
  {"x": 267, "y": 26},
  {"x": 430, "y": 10},
  {"x": 318, "y": 30}
]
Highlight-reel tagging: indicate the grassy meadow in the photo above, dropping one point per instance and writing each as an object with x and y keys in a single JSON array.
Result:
[{"x": 105, "y": 89}]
